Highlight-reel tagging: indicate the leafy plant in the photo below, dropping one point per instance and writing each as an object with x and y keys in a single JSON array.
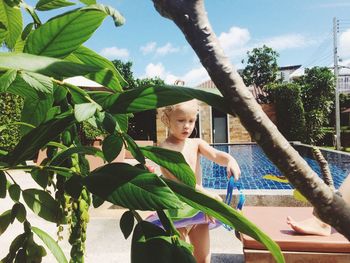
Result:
[
  {"x": 289, "y": 110},
  {"x": 47, "y": 53}
]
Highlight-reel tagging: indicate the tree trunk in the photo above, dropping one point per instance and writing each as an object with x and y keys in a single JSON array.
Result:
[{"x": 190, "y": 16}]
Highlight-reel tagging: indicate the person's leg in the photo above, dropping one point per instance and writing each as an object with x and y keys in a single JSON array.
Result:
[
  {"x": 199, "y": 237},
  {"x": 183, "y": 233},
  {"x": 315, "y": 226}
]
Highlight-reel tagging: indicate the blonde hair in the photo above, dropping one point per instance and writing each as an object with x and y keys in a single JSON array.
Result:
[{"x": 167, "y": 110}]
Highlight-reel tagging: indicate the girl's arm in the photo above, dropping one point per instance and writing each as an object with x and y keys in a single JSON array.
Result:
[{"x": 220, "y": 158}]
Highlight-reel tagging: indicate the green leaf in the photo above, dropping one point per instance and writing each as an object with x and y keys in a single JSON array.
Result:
[
  {"x": 150, "y": 244},
  {"x": 127, "y": 223},
  {"x": 15, "y": 192},
  {"x": 134, "y": 149},
  {"x": 47, "y": 66},
  {"x": 111, "y": 147},
  {"x": 18, "y": 211},
  {"x": 131, "y": 187},
  {"x": 51, "y": 244},
  {"x": 110, "y": 78},
  {"x": 11, "y": 17},
  {"x": 40, "y": 176},
  {"x": 108, "y": 10},
  {"x": 141, "y": 99},
  {"x": 7, "y": 79},
  {"x": 122, "y": 122},
  {"x": 3, "y": 183},
  {"x": 37, "y": 138},
  {"x": 173, "y": 161},
  {"x": 43, "y": 204},
  {"x": 88, "y": 2},
  {"x": 61, "y": 156},
  {"x": 37, "y": 81},
  {"x": 5, "y": 220},
  {"x": 225, "y": 214},
  {"x": 109, "y": 123},
  {"x": 73, "y": 186},
  {"x": 97, "y": 201},
  {"x": 44, "y": 5},
  {"x": 63, "y": 34},
  {"x": 34, "y": 111},
  {"x": 84, "y": 111}
]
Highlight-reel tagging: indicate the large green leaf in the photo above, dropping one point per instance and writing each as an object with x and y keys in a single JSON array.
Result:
[
  {"x": 47, "y": 66},
  {"x": 37, "y": 138},
  {"x": 108, "y": 10},
  {"x": 225, "y": 214},
  {"x": 134, "y": 148},
  {"x": 7, "y": 79},
  {"x": 44, "y": 5},
  {"x": 173, "y": 161},
  {"x": 34, "y": 111},
  {"x": 84, "y": 111},
  {"x": 63, "y": 34},
  {"x": 142, "y": 99},
  {"x": 11, "y": 18},
  {"x": 39, "y": 82},
  {"x": 150, "y": 244},
  {"x": 131, "y": 187},
  {"x": 43, "y": 204},
  {"x": 110, "y": 78},
  {"x": 88, "y": 2},
  {"x": 51, "y": 244},
  {"x": 5, "y": 220},
  {"x": 127, "y": 223},
  {"x": 111, "y": 147},
  {"x": 61, "y": 156}
]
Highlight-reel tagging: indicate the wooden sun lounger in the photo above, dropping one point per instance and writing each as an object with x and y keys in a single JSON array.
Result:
[{"x": 296, "y": 248}]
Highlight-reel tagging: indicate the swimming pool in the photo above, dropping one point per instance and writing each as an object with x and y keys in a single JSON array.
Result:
[{"x": 254, "y": 165}]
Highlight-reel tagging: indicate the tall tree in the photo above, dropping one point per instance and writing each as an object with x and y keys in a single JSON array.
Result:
[
  {"x": 125, "y": 70},
  {"x": 261, "y": 68},
  {"x": 317, "y": 87},
  {"x": 191, "y": 18}
]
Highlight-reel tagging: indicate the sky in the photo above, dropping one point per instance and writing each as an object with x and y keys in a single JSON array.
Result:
[{"x": 299, "y": 30}]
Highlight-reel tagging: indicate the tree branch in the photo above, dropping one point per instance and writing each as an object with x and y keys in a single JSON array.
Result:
[{"x": 190, "y": 16}]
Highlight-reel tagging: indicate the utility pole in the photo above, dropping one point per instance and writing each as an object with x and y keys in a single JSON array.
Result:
[{"x": 336, "y": 73}]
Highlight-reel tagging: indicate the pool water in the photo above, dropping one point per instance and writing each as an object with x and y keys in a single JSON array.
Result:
[{"x": 254, "y": 164}]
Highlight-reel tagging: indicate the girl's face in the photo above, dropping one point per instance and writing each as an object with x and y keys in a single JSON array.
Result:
[{"x": 182, "y": 120}]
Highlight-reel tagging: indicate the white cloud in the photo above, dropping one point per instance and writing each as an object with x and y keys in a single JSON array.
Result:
[
  {"x": 195, "y": 76},
  {"x": 148, "y": 48},
  {"x": 234, "y": 42},
  {"x": 191, "y": 78},
  {"x": 344, "y": 44},
  {"x": 288, "y": 41},
  {"x": 166, "y": 49},
  {"x": 114, "y": 53},
  {"x": 152, "y": 47}
]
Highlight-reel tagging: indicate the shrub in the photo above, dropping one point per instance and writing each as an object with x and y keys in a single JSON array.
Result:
[{"x": 289, "y": 110}]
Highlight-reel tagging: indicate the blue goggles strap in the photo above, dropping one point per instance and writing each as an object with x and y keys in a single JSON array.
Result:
[{"x": 230, "y": 186}]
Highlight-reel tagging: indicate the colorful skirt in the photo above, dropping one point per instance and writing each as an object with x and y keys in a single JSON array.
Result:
[{"x": 184, "y": 217}]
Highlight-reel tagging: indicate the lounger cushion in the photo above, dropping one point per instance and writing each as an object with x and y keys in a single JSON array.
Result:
[{"x": 272, "y": 220}]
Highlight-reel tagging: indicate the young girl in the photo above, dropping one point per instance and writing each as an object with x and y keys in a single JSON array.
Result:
[{"x": 180, "y": 120}]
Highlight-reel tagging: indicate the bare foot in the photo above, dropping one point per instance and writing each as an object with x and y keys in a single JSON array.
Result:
[{"x": 310, "y": 226}]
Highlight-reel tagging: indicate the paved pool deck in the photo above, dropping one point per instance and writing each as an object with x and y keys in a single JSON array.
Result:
[{"x": 105, "y": 242}]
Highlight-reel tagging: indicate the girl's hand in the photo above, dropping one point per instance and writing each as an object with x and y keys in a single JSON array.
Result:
[{"x": 233, "y": 169}]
